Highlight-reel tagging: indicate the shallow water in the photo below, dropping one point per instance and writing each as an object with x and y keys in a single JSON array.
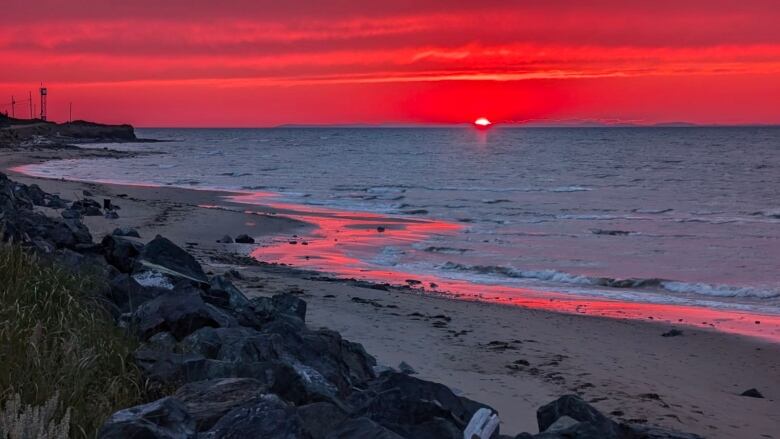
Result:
[{"x": 690, "y": 215}]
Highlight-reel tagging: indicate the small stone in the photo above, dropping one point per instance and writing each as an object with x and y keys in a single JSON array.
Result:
[
  {"x": 752, "y": 393},
  {"x": 225, "y": 240},
  {"x": 672, "y": 333},
  {"x": 245, "y": 239}
]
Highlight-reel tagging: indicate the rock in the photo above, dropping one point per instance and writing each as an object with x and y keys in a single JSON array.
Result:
[
  {"x": 290, "y": 305},
  {"x": 71, "y": 214},
  {"x": 245, "y": 239},
  {"x": 55, "y": 202},
  {"x": 180, "y": 312},
  {"x": 120, "y": 252},
  {"x": 672, "y": 333},
  {"x": 126, "y": 231},
  {"x": 166, "y": 418},
  {"x": 87, "y": 193},
  {"x": 225, "y": 240},
  {"x": 574, "y": 407},
  {"x": 87, "y": 207},
  {"x": 208, "y": 401},
  {"x": 224, "y": 294},
  {"x": 127, "y": 294},
  {"x": 164, "y": 256},
  {"x": 269, "y": 418},
  {"x": 412, "y": 407},
  {"x": 404, "y": 367},
  {"x": 168, "y": 368},
  {"x": 752, "y": 393},
  {"x": 362, "y": 428},
  {"x": 111, "y": 214},
  {"x": 162, "y": 341},
  {"x": 320, "y": 418},
  {"x": 562, "y": 423}
]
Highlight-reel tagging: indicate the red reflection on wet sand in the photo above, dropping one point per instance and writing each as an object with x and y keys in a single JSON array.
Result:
[{"x": 343, "y": 243}]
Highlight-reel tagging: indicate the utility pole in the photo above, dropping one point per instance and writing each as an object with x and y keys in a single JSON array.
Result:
[
  {"x": 70, "y": 112},
  {"x": 31, "y": 107},
  {"x": 13, "y": 111},
  {"x": 44, "y": 93}
]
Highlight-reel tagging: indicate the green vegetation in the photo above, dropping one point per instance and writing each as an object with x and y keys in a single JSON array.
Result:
[{"x": 58, "y": 344}]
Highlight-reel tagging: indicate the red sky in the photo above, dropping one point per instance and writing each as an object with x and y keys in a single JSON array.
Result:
[{"x": 262, "y": 63}]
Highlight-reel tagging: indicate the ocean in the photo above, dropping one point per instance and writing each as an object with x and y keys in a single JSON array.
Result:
[{"x": 656, "y": 215}]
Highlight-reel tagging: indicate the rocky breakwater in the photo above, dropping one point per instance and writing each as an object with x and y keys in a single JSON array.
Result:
[
  {"x": 240, "y": 367},
  {"x": 15, "y": 132}
]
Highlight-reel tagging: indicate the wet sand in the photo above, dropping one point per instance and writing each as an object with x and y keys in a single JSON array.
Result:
[{"x": 512, "y": 357}]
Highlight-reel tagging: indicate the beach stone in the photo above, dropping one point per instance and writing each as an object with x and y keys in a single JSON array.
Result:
[
  {"x": 180, "y": 312},
  {"x": 55, "y": 202},
  {"x": 245, "y": 239},
  {"x": 87, "y": 207},
  {"x": 127, "y": 294},
  {"x": 164, "y": 256},
  {"x": 574, "y": 407},
  {"x": 289, "y": 304},
  {"x": 208, "y": 401},
  {"x": 225, "y": 240},
  {"x": 268, "y": 417},
  {"x": 224, "y": 294},
  {"x": 413, "y": 407},
  {"x": 320, "y": 418},
  {"x": 166, "y": 367},
  {"x": 362, "y": 428},
  {"x": 126, "y": 232},
  {"x": 165, "y": 418},
  {"x": 561, "y": 423},
  {"x": 752, "y": 393},
  {"x": 71, "y": 214},
  {"x": 120, "y": 252}
]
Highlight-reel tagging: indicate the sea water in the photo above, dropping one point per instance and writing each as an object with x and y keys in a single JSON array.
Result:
[{"x": 657, "y": 214}]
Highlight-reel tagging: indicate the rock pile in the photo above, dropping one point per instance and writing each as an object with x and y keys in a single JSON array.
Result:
[{"x": 246, "y": 367}]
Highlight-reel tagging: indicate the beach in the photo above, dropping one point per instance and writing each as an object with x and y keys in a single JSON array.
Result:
[{"x": 510, "y": 357}]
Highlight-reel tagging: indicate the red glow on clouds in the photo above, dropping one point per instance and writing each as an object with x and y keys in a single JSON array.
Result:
[{"x": 259, "y": 63}]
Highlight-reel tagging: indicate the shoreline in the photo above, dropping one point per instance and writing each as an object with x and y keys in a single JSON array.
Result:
[{"x": 622, "y": 361}]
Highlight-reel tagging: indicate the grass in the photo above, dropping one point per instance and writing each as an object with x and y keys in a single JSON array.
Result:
[{"x": 56, "y": 342}]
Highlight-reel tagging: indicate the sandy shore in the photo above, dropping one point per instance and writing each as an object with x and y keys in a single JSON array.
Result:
[{"x": 512, "y": 358}]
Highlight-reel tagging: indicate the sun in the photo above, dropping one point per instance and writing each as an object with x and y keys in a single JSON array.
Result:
[{"x": 482, "y": 122}]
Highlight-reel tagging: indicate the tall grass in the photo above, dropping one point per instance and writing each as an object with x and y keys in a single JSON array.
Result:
[{"x": 56, "y": 342}]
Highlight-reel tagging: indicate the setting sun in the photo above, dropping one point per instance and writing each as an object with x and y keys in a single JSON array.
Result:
[{"x": 483, "y": 122}]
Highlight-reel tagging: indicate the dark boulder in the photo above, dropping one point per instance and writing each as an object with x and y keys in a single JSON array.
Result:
[
  {"x": 208, "y": 401},
  {"x": 127, "y": 294},
  {"x": 413, "y": 407},
  {"x": 225, "y": 240},
  {"x": 224, "y": 294},
  {"x": 120, "y": 252},
  {"x": 320, "y": 418},
  {"x": 126, "y": 231},
  {"x": 290, "y": 305},
  {"x": 162, "y": 255},
  {"x": 362, "y": 428},
  {"x": 166, "y": 418},
  {"x": 71, "y": 214},
  {"x": 180, "y": 312},
  {"x": 574, "y": 407},
  {"x": 245, "y": 239},
  {"x": 87, "y": 207},
  {"x": 269, "y": 417},
  {"x": 752, "y": 393}
]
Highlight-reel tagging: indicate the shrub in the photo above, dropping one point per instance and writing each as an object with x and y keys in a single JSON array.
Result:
[{"x": 58, "y": 344}]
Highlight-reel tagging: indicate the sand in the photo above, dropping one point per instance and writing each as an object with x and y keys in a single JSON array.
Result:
[{"x": 513, "y": 358}]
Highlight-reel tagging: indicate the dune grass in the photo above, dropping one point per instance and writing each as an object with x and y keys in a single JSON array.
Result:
[{"x": 57, "y": 343}]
